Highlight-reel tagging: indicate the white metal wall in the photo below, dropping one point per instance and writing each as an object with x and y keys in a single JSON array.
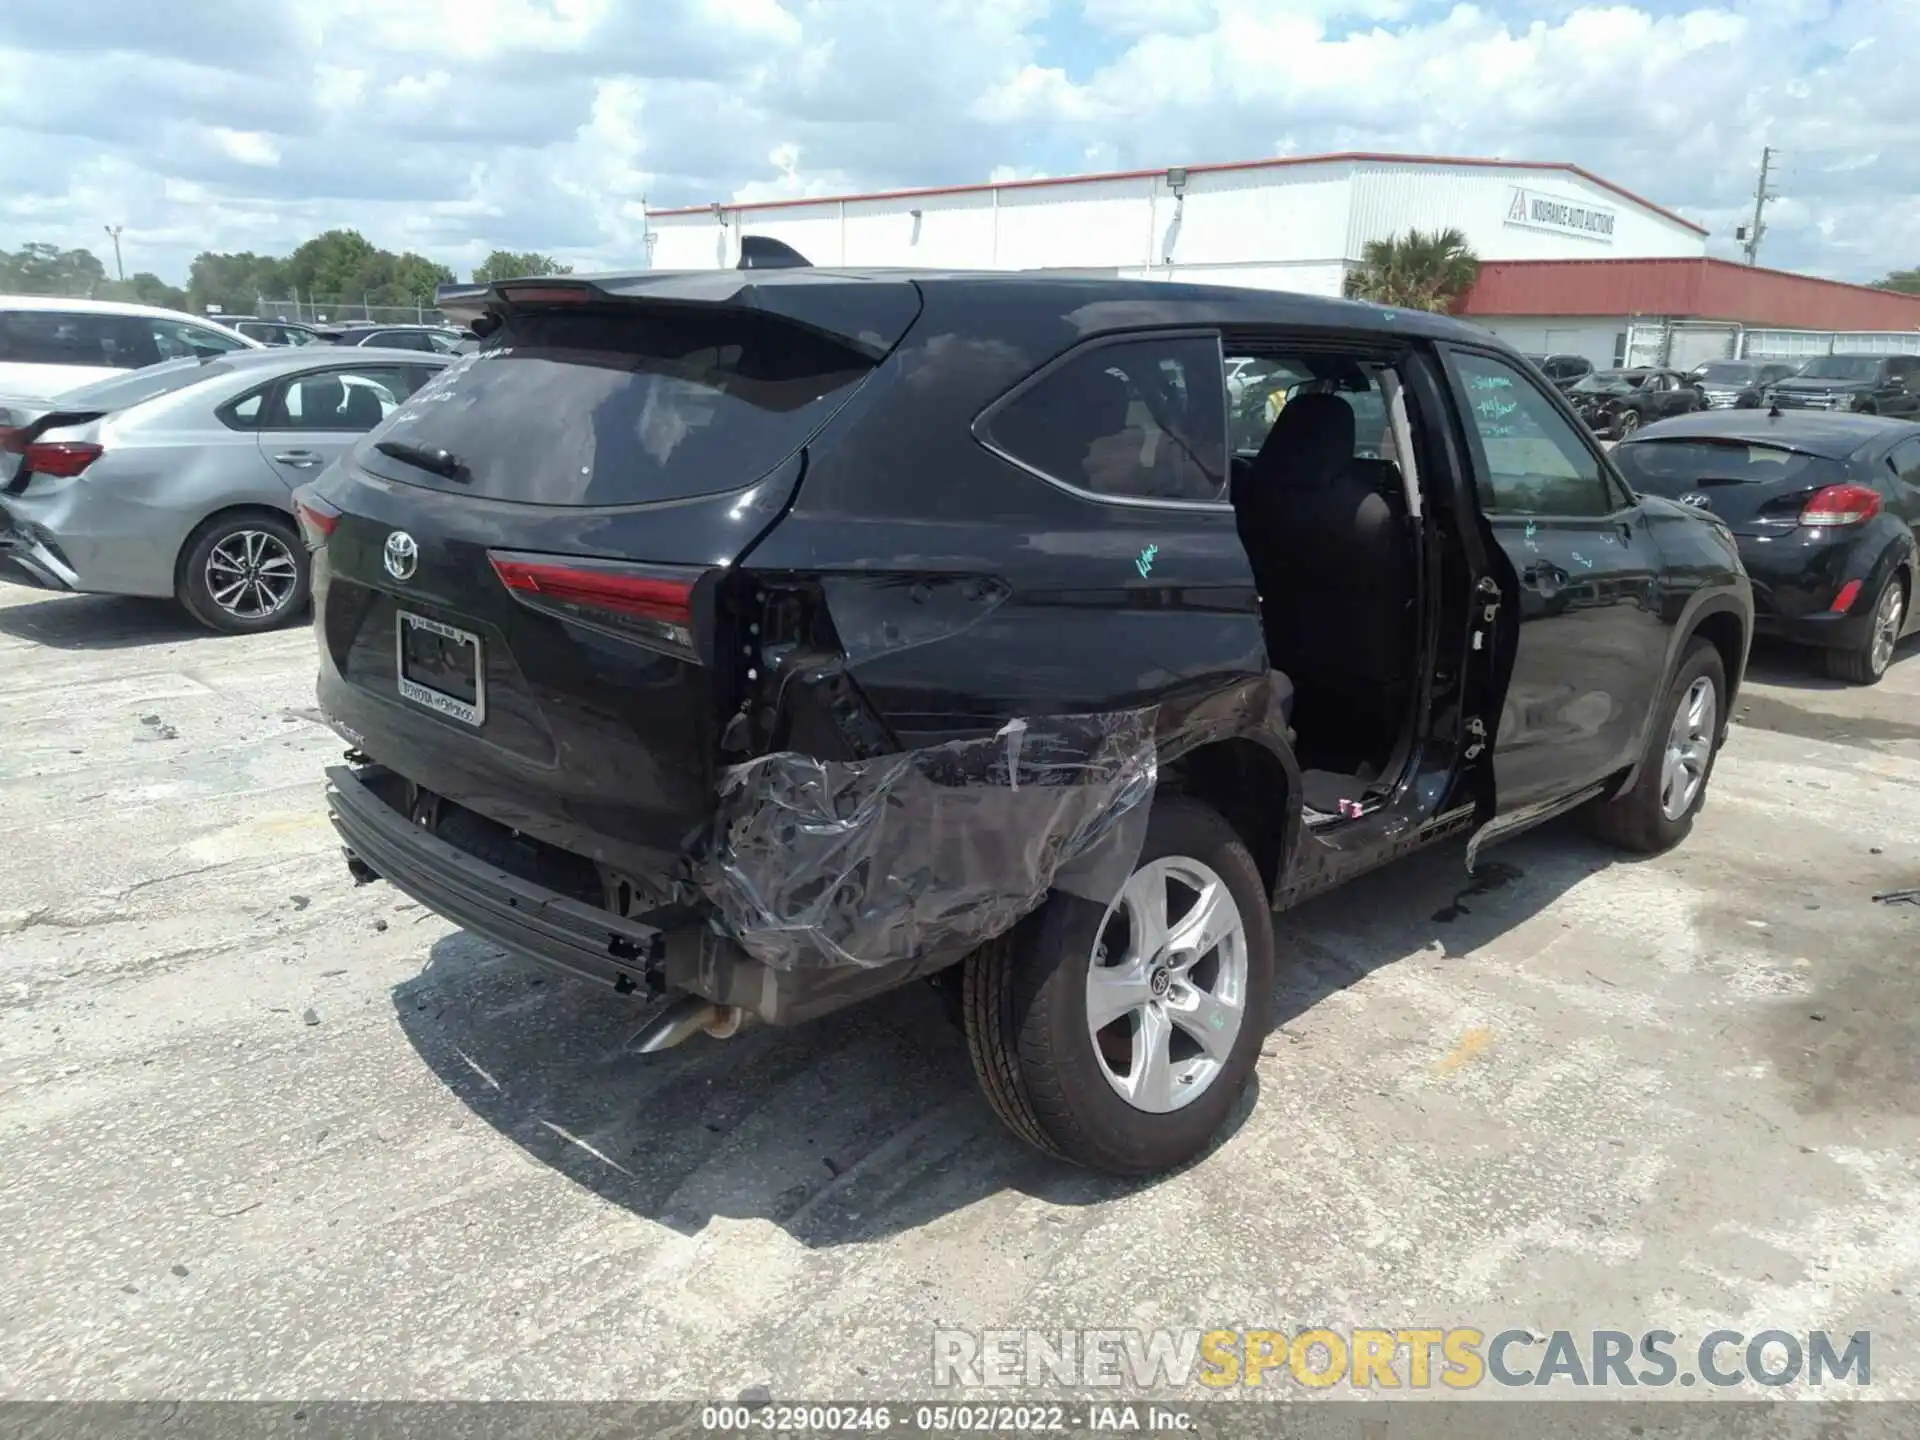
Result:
[
  {"x": 1597, "y": 340},
  {"x": 1477, "y": 201},
  {"x": 1805, "y": 344},
  {"x": 1285, "y": 227}
]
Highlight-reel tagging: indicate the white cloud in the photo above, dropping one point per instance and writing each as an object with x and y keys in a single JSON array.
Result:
[{"x": 455, "y": 126}]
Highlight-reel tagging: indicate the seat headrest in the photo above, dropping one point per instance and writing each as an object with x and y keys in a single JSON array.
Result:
[
  {"x": 322, "y": 398},
  {"x": 1310, "y": 445}
]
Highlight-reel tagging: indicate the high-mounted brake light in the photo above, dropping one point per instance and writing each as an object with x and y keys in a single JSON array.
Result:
[
  {"x": 61, "y": 458},
  {"x": 650, "y": 603},
  {"x": 547, "y": 294},
  {"x": 1841, "y": 505}
]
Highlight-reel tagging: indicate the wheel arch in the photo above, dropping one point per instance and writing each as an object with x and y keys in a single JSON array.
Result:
[
  {"x": 1254, "y": 788},
  {"x": 1723, "y": 624}
]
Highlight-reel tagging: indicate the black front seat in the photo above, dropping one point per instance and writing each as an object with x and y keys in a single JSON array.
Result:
[{"x": 1328, "y": 557}]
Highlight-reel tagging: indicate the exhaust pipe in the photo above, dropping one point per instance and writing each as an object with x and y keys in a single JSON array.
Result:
[{"x": 682, "y": 1020}]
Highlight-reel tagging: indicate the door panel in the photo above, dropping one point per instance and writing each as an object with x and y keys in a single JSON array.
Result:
[
  {"x": 1590, "y": 643},
  {"x": 315, "y": 418}
]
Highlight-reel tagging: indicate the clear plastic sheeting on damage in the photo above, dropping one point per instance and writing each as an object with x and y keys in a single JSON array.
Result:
[{"x": 874, "y": 862}]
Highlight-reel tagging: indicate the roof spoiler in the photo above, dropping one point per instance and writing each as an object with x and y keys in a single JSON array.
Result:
[
  {"x": 762, "y": 252},
  {"x": 867, "y": 314}
]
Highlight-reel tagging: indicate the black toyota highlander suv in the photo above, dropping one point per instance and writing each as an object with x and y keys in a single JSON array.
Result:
[{"x": 760, "y": 641}]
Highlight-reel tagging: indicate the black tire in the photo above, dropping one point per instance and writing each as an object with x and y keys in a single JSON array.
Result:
[
  {"x": 1024, "y": 999},
  {"x": 1637, "y": 820},
  {"x": 1858, "y": 664},
  {"x": 1628, "y": 423},
  {"x": 196, "y": 593}
]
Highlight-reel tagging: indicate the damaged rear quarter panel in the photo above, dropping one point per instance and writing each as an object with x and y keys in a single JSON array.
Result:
[{"x": 955, "y": 592}]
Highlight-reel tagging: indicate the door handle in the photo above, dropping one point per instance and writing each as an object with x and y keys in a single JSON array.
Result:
[{"x": 300, "y": 459}]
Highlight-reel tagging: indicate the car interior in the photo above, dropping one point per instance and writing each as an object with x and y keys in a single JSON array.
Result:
[{"x": 1323, "y": 508}]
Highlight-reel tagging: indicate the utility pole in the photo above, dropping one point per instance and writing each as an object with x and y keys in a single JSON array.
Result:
[
  {"x": 1761, "y": 195},
  {"x": 119, "y": 270}
]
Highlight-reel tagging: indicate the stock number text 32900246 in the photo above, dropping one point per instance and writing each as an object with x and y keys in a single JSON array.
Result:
[{"x": 869, "y": 1419}]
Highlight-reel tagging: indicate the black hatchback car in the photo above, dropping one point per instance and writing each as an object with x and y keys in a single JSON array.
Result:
[
  {"x": 1826, "y": 509},
  {"x": 766, "y": 640}
]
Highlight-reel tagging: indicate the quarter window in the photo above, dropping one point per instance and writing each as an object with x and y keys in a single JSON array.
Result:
[
  {"x": 1534, "y": 461},
  {"x": 1140, "y": 419}
]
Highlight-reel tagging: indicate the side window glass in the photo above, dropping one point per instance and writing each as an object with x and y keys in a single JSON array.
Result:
[
  {"x": 344, "y": 400},
  {"x": 245, "y": 413},
  {"x": 1906, "y": 461},
  {"x": 1536, "y": 464},
  {"x": 53, "y": 337},
  {"x": 174, "y": 340},
  {"x": 1261, "y": 388},
  {"x": 1141, "y": 419}
]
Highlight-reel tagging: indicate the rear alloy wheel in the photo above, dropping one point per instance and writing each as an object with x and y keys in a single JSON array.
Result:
[
  {"x": 1657, "y": 811},
  {"x": 1867, "y": 662},
  {"x": 244, "y": 573},
  {"x": 1121, "y": 1038}
]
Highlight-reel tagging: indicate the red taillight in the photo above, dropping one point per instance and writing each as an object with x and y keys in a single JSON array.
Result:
[
  {"x": 646, "y": 601},
  {"x": 63, "y": 458},
  {"x": 1842, "y": 505},
  {"x": 1843, "y": 602},
  {"x": 317, "y": 519},
  {"x": 644, "y": 596}
]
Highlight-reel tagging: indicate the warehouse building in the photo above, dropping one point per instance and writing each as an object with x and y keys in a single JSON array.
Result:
[
  {"x": 1683, "y": 313},
  {"x": 1571, "y": 263},
  {"x": 1297, "y": 223}
]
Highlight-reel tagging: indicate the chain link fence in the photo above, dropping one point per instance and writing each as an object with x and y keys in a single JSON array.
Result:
[{"x": 338, "y": 310}]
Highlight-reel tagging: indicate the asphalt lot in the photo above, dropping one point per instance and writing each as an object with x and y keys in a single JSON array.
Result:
[{"x": 263, "y": 1133}]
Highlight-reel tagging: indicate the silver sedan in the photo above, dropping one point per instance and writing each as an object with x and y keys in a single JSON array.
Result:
[{"x": 177, "y": 480}]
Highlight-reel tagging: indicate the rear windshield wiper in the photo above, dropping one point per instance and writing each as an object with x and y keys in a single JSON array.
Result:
[{"x": 438, "y": 462}]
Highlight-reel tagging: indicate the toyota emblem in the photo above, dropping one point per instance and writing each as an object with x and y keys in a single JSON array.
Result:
[{"x": 402, "y": 555}]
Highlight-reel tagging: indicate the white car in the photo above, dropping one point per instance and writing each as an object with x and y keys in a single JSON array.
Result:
[{"x": 49, "y": 346}]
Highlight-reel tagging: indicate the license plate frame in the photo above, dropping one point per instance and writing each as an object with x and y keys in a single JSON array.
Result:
[{"x": 472, "y": 713}]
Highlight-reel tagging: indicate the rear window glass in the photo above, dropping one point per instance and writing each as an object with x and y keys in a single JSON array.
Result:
[
  {"x": 1674, "y": 467},
  {"x": 624, "y": 405},
  {"x": 141, "y": 385}
]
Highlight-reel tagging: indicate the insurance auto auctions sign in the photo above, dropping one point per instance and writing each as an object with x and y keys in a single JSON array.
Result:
[{"x": 1564, "y": 217}]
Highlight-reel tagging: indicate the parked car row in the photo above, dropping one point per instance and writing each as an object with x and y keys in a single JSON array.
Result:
[{"x": 436, "y": 339}]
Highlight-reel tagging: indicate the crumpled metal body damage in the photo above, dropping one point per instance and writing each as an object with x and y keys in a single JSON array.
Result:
[{"x": 927, "y": 852}]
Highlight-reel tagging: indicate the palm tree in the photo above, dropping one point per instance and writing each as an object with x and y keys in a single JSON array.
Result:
[{"x": 1415, "y": 271}]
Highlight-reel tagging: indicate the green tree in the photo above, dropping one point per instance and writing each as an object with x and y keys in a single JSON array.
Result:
[
  {"x": 516, "y": 265},
  {"x": 40, "y": 269},
  {"x": 144, "y": 288},
  {"x": 234, "y": 282},
  {"x": 1415, "y": 271},
  {"x": 1907, "y": 282},
  {"x": 336, "y": 263}
]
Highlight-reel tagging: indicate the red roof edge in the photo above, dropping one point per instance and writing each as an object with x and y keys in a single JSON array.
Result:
[{"x": 1368, "y": 157}]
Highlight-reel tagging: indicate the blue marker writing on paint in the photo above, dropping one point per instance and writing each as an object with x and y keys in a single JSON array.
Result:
[
  {"x": 1145, "y": 563},
  {"x": 1583, "y": 559}
]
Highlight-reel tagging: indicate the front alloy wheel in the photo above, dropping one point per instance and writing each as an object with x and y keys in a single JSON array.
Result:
[
  {"x": 1628, "y": 423},
  {"x": 1683, "y": 766}
]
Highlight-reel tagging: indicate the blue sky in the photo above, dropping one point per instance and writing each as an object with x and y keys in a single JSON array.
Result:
[{"x": 455, "y": 126}]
